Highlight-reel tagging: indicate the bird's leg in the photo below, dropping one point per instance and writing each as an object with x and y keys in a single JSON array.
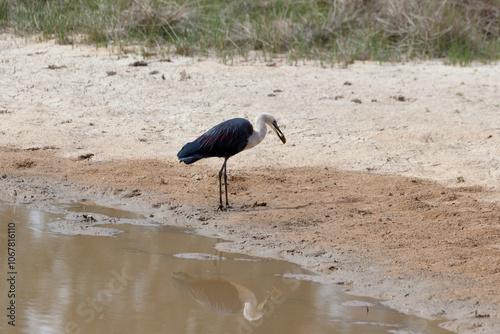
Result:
[
  {"x": 220, "y": 184},
  {"x": 225, "y": 181}
]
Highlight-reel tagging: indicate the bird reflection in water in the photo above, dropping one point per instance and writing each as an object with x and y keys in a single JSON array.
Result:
[{"x": 222, "y": 296}]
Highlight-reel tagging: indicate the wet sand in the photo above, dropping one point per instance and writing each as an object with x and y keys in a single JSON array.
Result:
[{"x": 395, "y": 197}]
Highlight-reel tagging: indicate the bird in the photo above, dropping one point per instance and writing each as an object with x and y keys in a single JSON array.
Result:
[
  {"x": 227, "y": 139},
  {"x": 222, "y": 296}
]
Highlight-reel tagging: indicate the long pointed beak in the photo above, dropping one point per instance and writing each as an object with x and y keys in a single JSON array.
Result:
[{"x": 279, "y": 133}]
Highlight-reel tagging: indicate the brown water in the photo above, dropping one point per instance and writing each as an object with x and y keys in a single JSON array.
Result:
[{"x": 156, "y": 279}]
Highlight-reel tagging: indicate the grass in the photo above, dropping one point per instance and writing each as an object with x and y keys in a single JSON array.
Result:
[{"x": 458, "y": 31}]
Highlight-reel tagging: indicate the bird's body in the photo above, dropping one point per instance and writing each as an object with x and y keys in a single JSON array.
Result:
[
  {"x": 227, "y": 139},
  {"x": 223, "y": 140}
]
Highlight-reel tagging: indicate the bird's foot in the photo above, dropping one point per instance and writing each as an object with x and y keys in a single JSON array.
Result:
[{"x": 224, "y": 208}]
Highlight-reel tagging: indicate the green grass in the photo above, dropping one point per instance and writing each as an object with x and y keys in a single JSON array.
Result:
[{"x": 458, "y": 31}]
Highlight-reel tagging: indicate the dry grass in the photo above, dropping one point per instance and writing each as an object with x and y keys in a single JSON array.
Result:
[{"x": 459, "y": 31}]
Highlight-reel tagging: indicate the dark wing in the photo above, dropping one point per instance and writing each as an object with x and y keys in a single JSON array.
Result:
[{"x": 223, "y": 140}]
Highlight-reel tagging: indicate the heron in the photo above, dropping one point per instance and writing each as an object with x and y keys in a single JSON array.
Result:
[
  {"x": 227, "y": 139},
  {"x": 222, "y": 296}
]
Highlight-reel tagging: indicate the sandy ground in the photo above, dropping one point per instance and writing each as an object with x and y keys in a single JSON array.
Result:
[{"x": 389, "y": 182}]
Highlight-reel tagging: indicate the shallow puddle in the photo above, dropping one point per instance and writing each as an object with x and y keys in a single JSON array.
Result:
[{"x": 157, "y": 279}]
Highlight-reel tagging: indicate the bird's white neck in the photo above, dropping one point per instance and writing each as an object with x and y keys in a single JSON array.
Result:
[
  {"x": 259, "y": 131},
  {"x": 250, "y": 311}
]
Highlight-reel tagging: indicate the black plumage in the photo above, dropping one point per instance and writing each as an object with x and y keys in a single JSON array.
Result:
[{"x": 223, "y": 140}]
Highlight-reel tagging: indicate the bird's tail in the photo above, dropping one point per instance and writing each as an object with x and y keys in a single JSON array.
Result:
[{"x": 191, "y": 152}]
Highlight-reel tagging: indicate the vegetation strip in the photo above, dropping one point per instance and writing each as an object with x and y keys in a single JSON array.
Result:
[{"x": 459, "y": 31}]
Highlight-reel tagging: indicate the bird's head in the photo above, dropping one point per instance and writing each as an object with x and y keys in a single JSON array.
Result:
[{"x": 271, "y": 121}]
